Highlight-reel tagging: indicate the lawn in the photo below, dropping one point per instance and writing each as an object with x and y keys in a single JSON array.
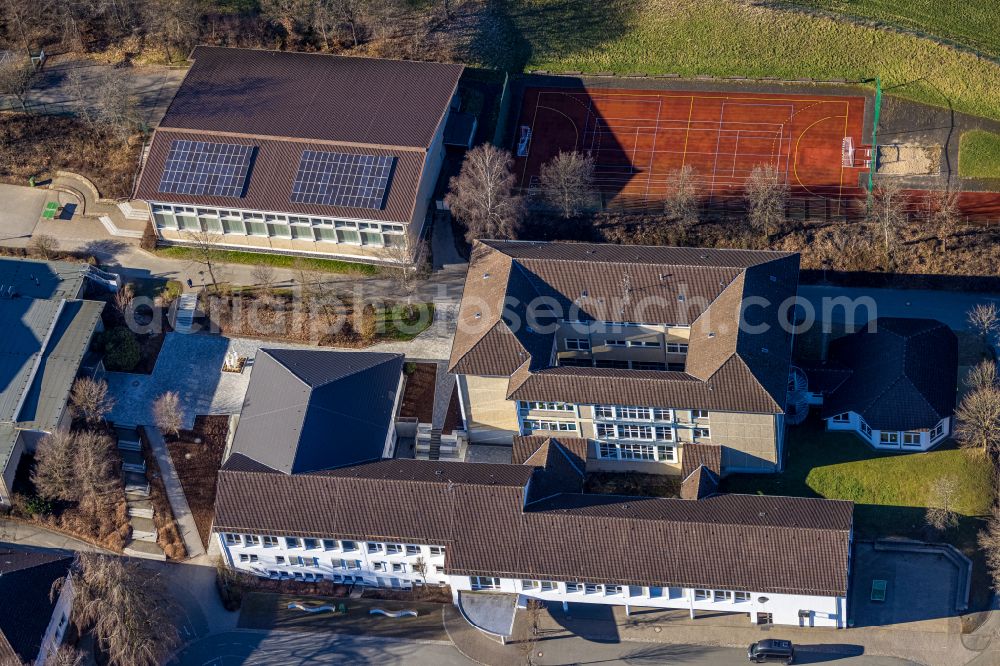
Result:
[
  {"x": 971, "y": 23},
  {"x": 275, "y": 260},
  {"x": 979, "y": 155},
  {"x": 396, "y": 324},
  {"x": 731, "y": 38}
]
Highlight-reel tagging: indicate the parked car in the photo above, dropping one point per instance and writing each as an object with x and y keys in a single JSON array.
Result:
[{"x": 771, "y": 649}]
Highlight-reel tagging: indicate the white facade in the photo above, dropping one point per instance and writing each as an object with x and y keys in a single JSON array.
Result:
[
  {"x": 890, "y": 440},
  {"x": 56, "y": 630},
  {"x": 396, "y": 565}
]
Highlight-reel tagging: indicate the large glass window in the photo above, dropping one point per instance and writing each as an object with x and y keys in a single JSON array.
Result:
[
  {"x": 394, "y": 240},
  {"x": 485, "y": 583},
  {"x": 325, "y": 234},
  {"x": 302, "y": 233},
  {"x": 256, "y": 227},
  {"x": 233, "y": 225},
  {"x": 348, "y": 236},
  {"x": 278, "y": 230},
  {"x": 165, "y": 218},
  {"x": 188, "y": 221},
  {"x": 371, "y": 238},
  {"x": 212, "y": 224}
]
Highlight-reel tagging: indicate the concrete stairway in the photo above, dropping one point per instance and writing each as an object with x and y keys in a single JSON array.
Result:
[
  {"x": 187, "y": 307},
  {"x": 142, "y": 541},
  {"x": 435, "y": 445}
]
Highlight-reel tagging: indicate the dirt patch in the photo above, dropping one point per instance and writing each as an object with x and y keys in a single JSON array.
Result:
[
  {"x": 418, "y": 394},
  {"x": 909, "y": 160},
  {"x": 39, "y": 146},
  {"x": 197, "y": 456}
]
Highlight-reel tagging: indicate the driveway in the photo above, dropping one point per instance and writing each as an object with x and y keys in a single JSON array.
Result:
[{"x": 20, "y": 212}]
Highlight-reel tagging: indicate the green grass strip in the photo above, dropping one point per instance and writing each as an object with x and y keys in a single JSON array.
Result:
[
  {"x": 979, "y": 155},
  {"x": 274, "y": 260}
]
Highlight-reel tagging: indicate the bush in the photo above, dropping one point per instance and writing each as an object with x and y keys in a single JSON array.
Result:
[
  {"x": 148, "y": 241},
  {"x": 172, "y": 291},
  {"x": 121, "y": 351},
  {"x": 38, "y": 506}
]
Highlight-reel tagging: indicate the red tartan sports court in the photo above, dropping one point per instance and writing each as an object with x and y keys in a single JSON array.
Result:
[{"x": 637, "y": 137}]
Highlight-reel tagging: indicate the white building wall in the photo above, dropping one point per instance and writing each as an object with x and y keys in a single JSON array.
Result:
[
  {"x": 817, "y": 611},
  {"x": 58, "y": 623},
  {"x": 856, "y": 425}
]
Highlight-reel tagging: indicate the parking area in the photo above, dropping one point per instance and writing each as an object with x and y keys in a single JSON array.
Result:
[
  {"x": 19, "y": 214},
  {"x": 921, "y": 585}
]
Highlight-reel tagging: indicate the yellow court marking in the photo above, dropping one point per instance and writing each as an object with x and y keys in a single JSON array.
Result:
[
  {"x": 795, "y": 155},
  {"x": 687, "y": 134},
  {"x": 576, "y": 130}
]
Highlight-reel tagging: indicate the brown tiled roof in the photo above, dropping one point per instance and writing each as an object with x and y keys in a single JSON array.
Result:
[
  {"x": 524, "y": 446},
  {"x": 699, "y": 484},
  {"x": 729, "y": 367},
  {"x": 696, "y": 455},
  {"x": 270, "y": 183},
  {"x": 313, "y": 96},
  {"x": 557, "y": 471},
  {"x": 758, "y": 543}
]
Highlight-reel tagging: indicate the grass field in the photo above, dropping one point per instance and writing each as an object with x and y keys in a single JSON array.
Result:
[
  {"x": 979, "y": 155},
  {"x": 275, "y": 260},
  {"x": 731, "y": 38},
  {"x": 972, "y": 23}
]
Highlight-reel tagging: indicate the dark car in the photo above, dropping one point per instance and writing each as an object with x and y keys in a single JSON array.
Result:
[{"x": 771, "y": 649}]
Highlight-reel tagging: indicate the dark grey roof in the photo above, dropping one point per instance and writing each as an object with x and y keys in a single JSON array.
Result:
[
  {"x": 308, "y": 410},
  {"x": 313, "y": 96},
  {"x": 26, "y": 579},
  {"x": 42, "y": 279},
  {"x": 903, "y": 374}
]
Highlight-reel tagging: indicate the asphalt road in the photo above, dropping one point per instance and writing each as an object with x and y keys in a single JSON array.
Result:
[{"x": 292, "y": 648}]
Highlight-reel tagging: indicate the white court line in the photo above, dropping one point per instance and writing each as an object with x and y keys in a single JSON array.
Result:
[
  {"x": 718, "y": 141},
  {"x": 652, "y": 153}
]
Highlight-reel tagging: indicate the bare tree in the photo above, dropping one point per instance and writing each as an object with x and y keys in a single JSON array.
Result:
[
  {"x": 168, "y": 413},
  {"x": 96, "y": 472},
  {"x": 943, "y": 212},
  {"x": 54, "y": 476},
  {"x": 43, "y": 245},
  {"x": 888, "y": 211},
  {"x": 766, "y": 195},
  {"x": 482, "y": 194},
  {"x": 405, "y": 275},
  {"x": 124, "y": 298},
  {"x": 984, "y": 320},
  {"x": 369, "y": 324},
  {"x": 942, "y": 497},
  {"x": 16, "y": 78},
  {"x": 983, "y": 375},
  {"x": 568, "y": 182},
  {"x": 89, "y": 399},
  {"x": 420, "y": 568},
  {"x": 529, "y": 630},
  {"x": 125, "y": 607},
  {"x": 682, "y": 197},
  {"x": 989, "y": 543},
  {"x": 64, "y": 655},
  {"x": 175, "y": 21},
  {"x": 205, "y": 246},
  {"x": 263, "y": 274},
  {"x": 105, "y": 101},
  {"x": 977, "y": 421}
]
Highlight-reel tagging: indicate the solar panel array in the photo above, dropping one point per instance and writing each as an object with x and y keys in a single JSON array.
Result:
[
  {"x": 339, "y": 179},
  {"x": 212, "y": 169}
]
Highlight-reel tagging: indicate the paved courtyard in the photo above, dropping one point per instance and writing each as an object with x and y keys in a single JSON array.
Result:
[{"x": 20, "y": 212}]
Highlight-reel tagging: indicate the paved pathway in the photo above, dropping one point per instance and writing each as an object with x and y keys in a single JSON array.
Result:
[
  {"x": 175, "y": 493},
  {"x": 19, "y": 214},
  {"x": 22, "y": 534}
]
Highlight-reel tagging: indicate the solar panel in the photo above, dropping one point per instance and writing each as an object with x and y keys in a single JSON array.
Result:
[
  {"x": 213, "y": 169},
  {"x": 339, "y": 179}
]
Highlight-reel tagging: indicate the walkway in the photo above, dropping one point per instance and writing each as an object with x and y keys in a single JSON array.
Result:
[
  {"x": 175, "y": 493},
  {"x": 22, "y": 534}
]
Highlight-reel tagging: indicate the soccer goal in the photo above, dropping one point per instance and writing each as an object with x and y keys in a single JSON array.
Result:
[
  {"x": 847, "y": 152},
  {"x": 524, "y": 142}
]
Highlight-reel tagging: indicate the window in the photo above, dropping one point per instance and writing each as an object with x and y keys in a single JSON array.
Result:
[
  {"x": 662, "y": 415},
  {"x": 842, "y": 418},
  {"x": 310, "y": 544},
  {"x": 577, "y": 344},
  {"x": 547, "y": 406},
  {"x": 438, "y": 569},
  {"x": 663, "y": 434},
  {"x": 247, "y": 558},
  {"x": 937, "y": 431},
  {"x": 530, "y": 585},
  {"x": 633, "y": 451},
  {"x": 547, "y": 585},
  {"x": 270, "y": 541},
  {"x": 655, "y": 592},
  {"x": 911, "y": 439},
  {"x": 437, "y": 550},
  {"x": 702, "y": 595},
  {"x": 615, "y": 342},
  {"x": 232, "y": 539},
  {"x": 485, "y": 583},
  {"x": 635, "y": 413},
  {"x": 610, "y": 590},
  {"x": 348, "y": 546},
  {"x": 256, "y": 228},
  {"x": 398, "y": 568},
  {"x": 653, "y": 344},
  {"x": 293, "y": 542},
  {"x": 378, "y": 566},
  {"x": 604, "y": 412},
  {"x": 326, "y": 234},
  {"x": 677, "y": 348},
  {"x": 393, "y": 549},
  {"x": 701, "y": 433},
  {"x": 563, "y": 426},
  {"x": 374, "y": 547},
  {"x": 353, "y": 564},
  {"x": 371, "y": 238},
  {"x": 329, "y": 544},
  {"x": 635, "y": 431},
  {"x": 866, "y": 430},
  {"x": 189, "y": 222},
  {"x": 742, "y": 597},
  {"x": 313, "y": 561},
  {"x": 648, "y": 365},
  {"x": 888, "y": 437},
  {"x": 165, "y": 218},
  {"x": 251, "y": 540},
  {"x": 348, "y": 236},
  {"x": 722, "y": 595},
  {"x": 301, "y": 232},
  {"x": 573, "y": 587},
  {"x": 591, "y": 588},
  {"x": 233, "y": 226},
  {"x": 675, "y": 367},
  {"x": 576, "y": 362},
  {"x": 413, "y": 550},
  {"x": 611, "y": 363},
  {"x": 212, "y": 224},
  {"x": 699, "y": 414},
  {"x": 279, "y": 559},
  {"x": 278, "y": 230}
]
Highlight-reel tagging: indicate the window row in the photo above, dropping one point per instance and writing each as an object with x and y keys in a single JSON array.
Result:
[
  {"x": 633, "y": 451},
  {"x": 546, "y": 406},
  {"x": 722, "y": 596},
  {"x": 583, "y": 344},
  {"x": 620, "y": 364},
  {"x": 623, "y": 413},
  {"x": 634, "y": 431},
  {"x": 530, "y": 425},
  {"x": 252, "y": 540}
]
